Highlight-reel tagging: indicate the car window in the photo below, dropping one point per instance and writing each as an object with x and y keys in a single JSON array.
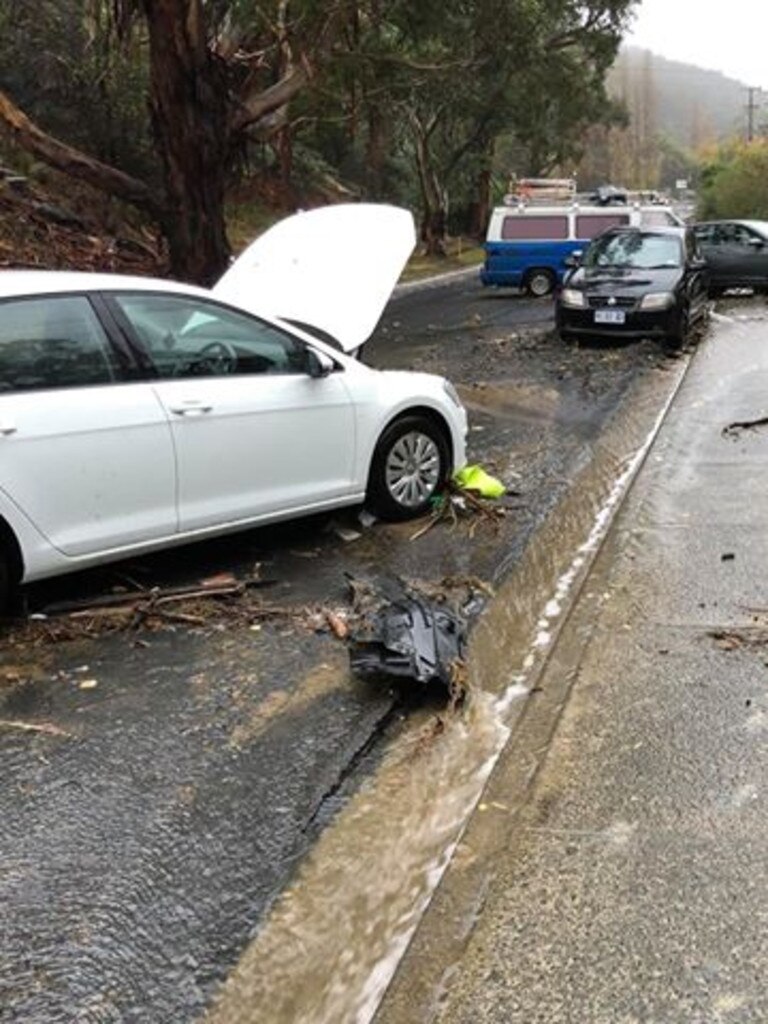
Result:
[
  {"x": 534, "y": 228},
  {"x": 635, "y": 249},
  {"x": 52, "y": 342},
  {"x": 732, "y": 234},
  {"x": 191, "y": 338},
  {"x": 706, "y": 234},
  {"x": 747, "y": 237}
]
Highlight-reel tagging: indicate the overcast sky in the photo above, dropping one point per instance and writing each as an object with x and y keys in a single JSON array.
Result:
[{"x": 727, "y": 35}]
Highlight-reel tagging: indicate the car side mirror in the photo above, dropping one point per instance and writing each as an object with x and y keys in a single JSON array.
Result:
[
  {"x": 756, "y": 243},
  {"x": 574, "y": 258},
  {"x": 697, "y": 263},
  {"x": 319, "y": 364}
]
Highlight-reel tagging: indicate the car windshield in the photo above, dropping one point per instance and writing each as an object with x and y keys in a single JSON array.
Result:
[{"x": 635, "y": 250}]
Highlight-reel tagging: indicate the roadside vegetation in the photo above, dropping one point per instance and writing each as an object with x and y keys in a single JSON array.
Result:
[
  {"x": 208, "y": 119},
  {"x": 734, "y": 182}
]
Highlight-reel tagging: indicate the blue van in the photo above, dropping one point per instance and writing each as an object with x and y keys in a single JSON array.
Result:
[{"x": 527, "y": 245}]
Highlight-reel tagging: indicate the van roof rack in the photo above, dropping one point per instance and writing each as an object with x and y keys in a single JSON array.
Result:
[
  {"x": 541, "y": 190},
  {"x": 562, "y": 192}
]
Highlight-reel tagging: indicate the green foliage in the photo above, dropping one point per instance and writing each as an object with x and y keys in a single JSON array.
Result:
[
  {"x": 416, "y": 103},
  {"x": 735, "y": 183},
  {"x": 62, "y": 63}
]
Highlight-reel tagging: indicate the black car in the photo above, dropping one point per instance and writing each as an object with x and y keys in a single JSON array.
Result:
[
  {"x": 635, "y": 283},
  {"x": 736, "y": 252}
]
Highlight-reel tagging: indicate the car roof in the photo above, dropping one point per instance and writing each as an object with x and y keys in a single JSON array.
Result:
[
  {"x": 676, "y": 231},
  {"x": 17, "y": 283},
  {"x": 756, "y": 225}
]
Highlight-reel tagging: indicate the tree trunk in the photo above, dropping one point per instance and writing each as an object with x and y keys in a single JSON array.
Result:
[
  {"x": 434, "y": 218},
  {"x": 480, "y": 207},
  {"x": 377, "y": 149},
  {"x": 187, "y": 81},
  {"x": 433, "y": 230}
]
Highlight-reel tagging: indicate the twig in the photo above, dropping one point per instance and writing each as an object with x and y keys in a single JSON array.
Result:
[
  {"x": 44, "y": 727},
  {"x": 434, "y": 518}
]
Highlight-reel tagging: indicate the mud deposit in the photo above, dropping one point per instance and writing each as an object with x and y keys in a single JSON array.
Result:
[{"x": 162, "y": 783}]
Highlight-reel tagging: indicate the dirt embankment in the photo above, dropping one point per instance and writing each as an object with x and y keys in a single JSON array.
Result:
[{"x": 66, "y": 225}]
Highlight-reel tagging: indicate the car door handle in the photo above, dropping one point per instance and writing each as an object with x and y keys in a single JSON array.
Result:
[
  {"x": 190, "y": 409},
  {"x": 7, "y": 428}
]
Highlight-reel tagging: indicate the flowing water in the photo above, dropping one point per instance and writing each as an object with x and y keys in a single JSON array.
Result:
[{"x": 332, "y": 942}]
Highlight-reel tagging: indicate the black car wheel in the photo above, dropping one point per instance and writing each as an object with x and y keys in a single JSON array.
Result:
[
  {"x": 6, "y": 585},
  {"x": 679, "y": 339},
  {"x": 539, "y": 283},
  {"x": 409, "y": 467}
]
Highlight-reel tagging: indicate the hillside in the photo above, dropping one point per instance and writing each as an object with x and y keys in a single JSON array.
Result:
[{"x": 691, "y": 106}]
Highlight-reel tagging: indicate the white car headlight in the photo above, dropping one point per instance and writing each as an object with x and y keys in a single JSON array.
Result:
[
  {"x": 657, "y": 300},
  {"x": 452, "y": 393},
  {"x": 572, "y": 297}
]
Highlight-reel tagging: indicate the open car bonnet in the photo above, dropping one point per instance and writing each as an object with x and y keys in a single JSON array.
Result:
[{"x": 332, "y": 268}]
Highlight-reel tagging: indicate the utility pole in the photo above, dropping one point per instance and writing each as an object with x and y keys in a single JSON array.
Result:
[{"x": 751, "y": 110}]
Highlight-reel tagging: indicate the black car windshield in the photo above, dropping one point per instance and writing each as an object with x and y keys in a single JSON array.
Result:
[{"x": 644, "y": 252}]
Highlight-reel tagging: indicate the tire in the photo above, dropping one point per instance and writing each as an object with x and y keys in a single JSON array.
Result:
[
  {"x": 6, "y": 585},
  {"x": 409, "y": 466},
  {"x": 676, "y": 342},
  {"x": 539, "y": 283}
]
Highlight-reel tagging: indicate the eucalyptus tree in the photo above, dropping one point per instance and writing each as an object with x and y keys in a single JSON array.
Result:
[{"x": 217, "y": 70}]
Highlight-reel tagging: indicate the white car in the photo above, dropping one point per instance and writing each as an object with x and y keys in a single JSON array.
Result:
[{"x": 136, "y": 414}]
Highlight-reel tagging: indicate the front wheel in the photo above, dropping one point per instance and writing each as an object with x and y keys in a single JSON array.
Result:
[
  {"x": 677, "y": 341},
  {"x": 410, "y": 465}
]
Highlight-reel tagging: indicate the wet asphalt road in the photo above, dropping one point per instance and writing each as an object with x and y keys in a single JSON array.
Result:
[
  {"x": 161, "y": 784},
  {"x": 627, "y": 883}
]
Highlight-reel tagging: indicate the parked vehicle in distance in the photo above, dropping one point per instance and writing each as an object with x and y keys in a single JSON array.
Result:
[
  {"x": 635, "y": 283},
  {"x": 528, "y": 242},
  {"x": 736, "y": 252},
  {"x": 137, "y": 414}
]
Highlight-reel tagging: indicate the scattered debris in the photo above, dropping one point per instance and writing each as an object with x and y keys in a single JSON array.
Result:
[
  {"x": 338, "y": 625},
  {"x": 734, "y": 639},
  {"x": 475, "y": 478},
  {"x": 456, "y": 504},
  {"x": 43, "y": 727},
  {"x": 405, "y": 634},
  {"x": 220, "y": 579},
  {"x": 735, "y": 430},
  {"x": 727, "y": 556},
  {"x": 344, "y": 533}
]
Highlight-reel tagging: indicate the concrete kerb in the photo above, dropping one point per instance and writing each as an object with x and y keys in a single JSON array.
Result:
[{"x": 435, "y": 281}]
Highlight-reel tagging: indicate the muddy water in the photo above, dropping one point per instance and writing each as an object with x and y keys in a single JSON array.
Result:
[{"x": 328, "y": 950}]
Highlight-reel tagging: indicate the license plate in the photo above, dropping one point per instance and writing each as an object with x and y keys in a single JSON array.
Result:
[{"x": 609, "y": 316}]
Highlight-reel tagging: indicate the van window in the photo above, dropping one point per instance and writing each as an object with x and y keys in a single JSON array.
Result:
[
  {"x": 589, "y": 224},
  {"x": 530, "y": 228}
]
